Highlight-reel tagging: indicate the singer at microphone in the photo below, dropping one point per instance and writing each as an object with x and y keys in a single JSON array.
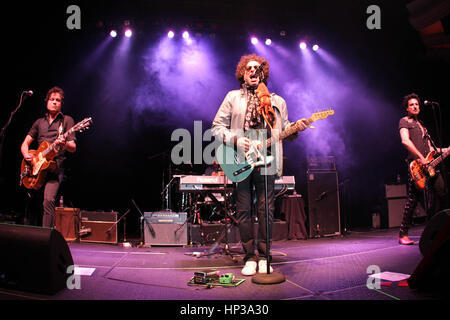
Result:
[{"x": 242, "y": 111}]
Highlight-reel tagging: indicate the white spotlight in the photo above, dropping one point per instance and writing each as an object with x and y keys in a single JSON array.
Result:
[
  {"x": 128, "y": 33},
  {"x": 186, "y": 35},
  {"x": 254, "y": 40},
  {"x": 170, "y": 34},
  {"x": 302, "y": 45},
  {"x": 268, "y": 42},
  {"x": 315, "y": 47},
  {"x": 113, "y": 33}
]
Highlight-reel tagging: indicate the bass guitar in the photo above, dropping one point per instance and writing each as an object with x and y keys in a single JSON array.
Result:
[
  {"x": 420, "y": 172},
  {"x": 237, "y": 166},
  {"x": 32, "y": 173}
]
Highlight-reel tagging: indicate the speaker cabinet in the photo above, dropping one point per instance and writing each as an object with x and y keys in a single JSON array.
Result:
[
  {"x": 33, "y": 259},
  {"x": 101, "y": 226},
  {"x": 323, "y": 203},
  {"x": 432, "y": 271}
]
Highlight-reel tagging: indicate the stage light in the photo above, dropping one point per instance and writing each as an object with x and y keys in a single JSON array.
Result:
[
  {"x": 302, "y": 45},
  {"x": 128, "y": 33},
  {"x": 268, "y": 42},
  {"x": 315, "y": 47},
  {"x": 254, "y": 40},
  {"x": 113, "y": 33},
  {"x": 171, "y": 34},
  {"x": 185, "y": 35}
]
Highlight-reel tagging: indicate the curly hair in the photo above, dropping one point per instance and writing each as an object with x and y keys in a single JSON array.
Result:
[
  {"x": 55, "y": 90},
  {"x": 409, "y": 97},
  {"x": 242, "y": 64}
]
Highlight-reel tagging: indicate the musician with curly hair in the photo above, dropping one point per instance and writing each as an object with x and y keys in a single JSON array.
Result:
[{"x": 243, "y": 111}]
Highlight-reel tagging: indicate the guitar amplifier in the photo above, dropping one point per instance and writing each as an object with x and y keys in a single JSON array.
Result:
[
  {"x": 324, "y": 217},
  {"x": 165, "y": 228},
  {"x": 101, "y": 226},
  {"x": 67, "y": 222}
]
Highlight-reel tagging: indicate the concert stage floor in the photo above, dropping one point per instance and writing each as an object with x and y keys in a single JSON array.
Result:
[{"x": 334, "y": 268}]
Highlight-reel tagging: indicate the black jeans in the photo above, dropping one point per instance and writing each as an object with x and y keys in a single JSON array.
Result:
[
  {"x": 431, "y": 196},
  {"x": 244, "y": 203},
  {"x": 47, "y": 194}
]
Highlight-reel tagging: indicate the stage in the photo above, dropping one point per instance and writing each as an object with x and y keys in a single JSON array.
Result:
[{"x": 328, "y": 268}]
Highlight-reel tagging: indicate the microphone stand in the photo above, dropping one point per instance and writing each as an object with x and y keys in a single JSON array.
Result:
[
  {"x": 2, "y": 133},
  {"x": 439, "y": 135},
  {"x": 274, "y": 277}
]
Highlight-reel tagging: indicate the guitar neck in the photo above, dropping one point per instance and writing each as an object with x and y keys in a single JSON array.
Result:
[
  {"x": 436, "y": 161},
  {"x": 289, "y": 131},
  {"x": 53, "y": 145}
]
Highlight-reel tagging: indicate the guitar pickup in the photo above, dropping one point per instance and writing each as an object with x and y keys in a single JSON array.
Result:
[{"x": 243, "y": 169}]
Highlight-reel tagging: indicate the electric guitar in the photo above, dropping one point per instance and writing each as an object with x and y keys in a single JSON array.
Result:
[
  {"x": 32, "y": 173},
  {"x": 237, "y": 166},
  {"x": 420, "y": 172}
]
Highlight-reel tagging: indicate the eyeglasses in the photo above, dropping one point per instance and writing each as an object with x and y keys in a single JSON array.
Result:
[{"x": 249, "y": 68}]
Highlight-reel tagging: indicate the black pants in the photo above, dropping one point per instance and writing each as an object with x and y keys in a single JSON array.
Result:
[
  {"x": 431, "y": 196},
  {"x": 244, "y": 203},
  {"x": 47, "y": 194}
]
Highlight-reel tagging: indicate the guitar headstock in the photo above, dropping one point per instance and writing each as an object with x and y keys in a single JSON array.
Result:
[
  {"x": 322, "y": 114},
  {"x": 82, "y": 125}
]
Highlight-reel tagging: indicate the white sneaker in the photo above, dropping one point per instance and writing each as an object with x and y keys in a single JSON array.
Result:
[
  {"x": 262, "y": 266},
  {"x": 249, "y": 268}
]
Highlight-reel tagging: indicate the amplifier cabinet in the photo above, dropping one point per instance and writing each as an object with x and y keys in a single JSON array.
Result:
[
  {"x": 67, "y": 222},
  {"x": 102, "y": 225},
  {"x": 323, "y": 203},
  {"x": 165, "y": 228}
]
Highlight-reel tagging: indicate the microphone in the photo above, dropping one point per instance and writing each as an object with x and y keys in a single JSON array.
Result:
[
  {"x": 28, "y": 92},
  {"x": 260, "y": 69},
  {"x": 430, "y": 103}
]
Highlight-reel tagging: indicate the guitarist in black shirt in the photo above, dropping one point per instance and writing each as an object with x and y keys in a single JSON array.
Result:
[
  {"x": 50, "y": 128},
  {"x": 415, "y": 139}
]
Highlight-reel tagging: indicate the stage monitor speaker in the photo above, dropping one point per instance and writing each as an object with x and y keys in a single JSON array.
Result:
[
  {"x": 101, "y": 226},
  {"x": 323, "y": 203},
  {"x": 432, "y": 271},
  {"x": 165, "y": 228},
  {"x": 33, "y": 259}
]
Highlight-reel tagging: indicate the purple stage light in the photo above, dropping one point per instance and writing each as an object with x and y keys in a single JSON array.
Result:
[
  {"x": 315, "y": 47},
  {"x": 268, "y": 42},
  {"x": 254, "y": 40},
  {"x": 185, "y": 35},
  {"x": 113, "y": 33},
  {"x": 302, "y": 45},
  {"x": 171, "y": 34}
]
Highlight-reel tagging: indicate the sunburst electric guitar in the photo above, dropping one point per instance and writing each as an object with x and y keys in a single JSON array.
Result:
[
  {"x": 32, "y": 173},
  {"x": 420, "y": 172},
  {"x": 237, "y": 166}
]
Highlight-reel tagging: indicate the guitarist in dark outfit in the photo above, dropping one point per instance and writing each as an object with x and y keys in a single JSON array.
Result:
[
  {"x": 50, "y": 128},
  {"x": 415, "y": 139}
]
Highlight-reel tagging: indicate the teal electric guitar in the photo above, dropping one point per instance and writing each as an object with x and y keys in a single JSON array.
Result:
[{"x": 237, "y": 166}]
